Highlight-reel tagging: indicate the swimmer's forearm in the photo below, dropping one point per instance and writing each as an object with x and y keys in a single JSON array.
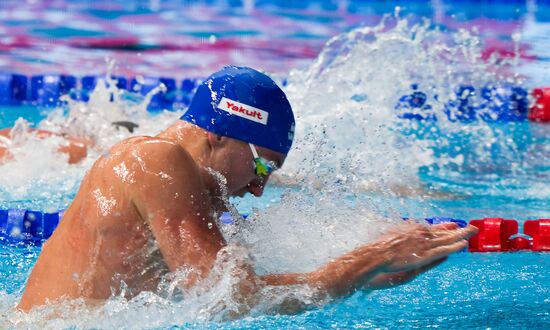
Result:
[
  {"x": 285, "y": 279},
  {"x": 335, "y": 279},
  {"x": 353, "y": 270},
  {"x": 341, "y": 276}
]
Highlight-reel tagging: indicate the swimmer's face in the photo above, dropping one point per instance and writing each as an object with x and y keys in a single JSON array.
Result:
[
  {"x": 236, "y": 163},
  {"x": 257, "y": 183}
]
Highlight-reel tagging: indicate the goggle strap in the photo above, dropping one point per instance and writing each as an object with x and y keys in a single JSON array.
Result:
[{"x": 254, "y": 152}]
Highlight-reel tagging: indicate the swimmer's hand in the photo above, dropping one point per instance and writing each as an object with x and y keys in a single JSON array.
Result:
[
  {"x": 408, "y": 250},
  {"x": 390, "y": 280},
  {"x": 414, "y": 246}
]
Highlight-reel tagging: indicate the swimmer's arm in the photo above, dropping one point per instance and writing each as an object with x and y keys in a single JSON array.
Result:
[
  {"x": 337, "y": 278},
  {"x": 395, "y": 258},
  {"x": 341, "y": 276},
  {"x": 170, "y": 198}
]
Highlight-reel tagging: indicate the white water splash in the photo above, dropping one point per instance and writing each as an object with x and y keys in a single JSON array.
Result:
[
  {"x": 347, "y": 125},
  {"x": 305, "y": 230},
  {"x": 38, "y": 170}
]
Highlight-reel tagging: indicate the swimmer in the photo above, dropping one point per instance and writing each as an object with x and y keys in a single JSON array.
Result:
[
  {"x": 75, "y": 147},
  {"x": 149, "y": 206}
]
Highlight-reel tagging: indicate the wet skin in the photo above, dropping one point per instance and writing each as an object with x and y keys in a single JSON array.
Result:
[
  {"x": 148, "y": 207},
  {"x": 137, "y": 209}
]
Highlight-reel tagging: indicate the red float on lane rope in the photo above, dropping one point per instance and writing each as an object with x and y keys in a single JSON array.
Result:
[
  {"x": 540, "y": 111},
  {"x": 539, "y": 230},
  {"x": 493, "y": 236},
  {"x": 520, "y": 243}
]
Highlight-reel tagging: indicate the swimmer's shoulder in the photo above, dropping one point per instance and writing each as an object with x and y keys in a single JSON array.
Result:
[
  {"x": 145, "y": 145},
  {"x": 160, "y": 155},
  {"x": 146, "y": 156},
  {"x": 164, "y": 175}
]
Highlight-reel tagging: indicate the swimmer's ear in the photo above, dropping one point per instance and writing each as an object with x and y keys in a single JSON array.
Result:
[{"x": 216, "y": 140}]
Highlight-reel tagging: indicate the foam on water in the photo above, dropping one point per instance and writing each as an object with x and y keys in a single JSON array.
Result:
[
  {"x": 305, "y": 230},
  {"x": 38, "y": 171},
  {"x": 348, "y": 139}
]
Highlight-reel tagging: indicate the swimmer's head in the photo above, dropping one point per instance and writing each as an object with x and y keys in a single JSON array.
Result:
[{"x": 246, "y": 105}]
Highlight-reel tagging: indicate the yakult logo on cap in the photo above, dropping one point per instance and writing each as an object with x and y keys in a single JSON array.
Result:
[{"x": 243, "y": 110}]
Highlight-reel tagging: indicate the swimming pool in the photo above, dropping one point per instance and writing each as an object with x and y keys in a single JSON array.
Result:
[{"x": 354, "y": 158}]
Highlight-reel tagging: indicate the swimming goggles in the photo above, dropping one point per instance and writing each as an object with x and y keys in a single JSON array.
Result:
[{"x": 262, "y": 166}]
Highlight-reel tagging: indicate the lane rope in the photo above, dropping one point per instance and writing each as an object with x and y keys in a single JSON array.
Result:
[
  {"x": 493, "y": 102},
  {"x": 29, "y": 227}
]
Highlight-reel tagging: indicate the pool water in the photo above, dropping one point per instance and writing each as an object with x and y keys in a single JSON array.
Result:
[
  {"x": 359, "y": 167},
  {"x": 497, "y": 291},
  {"x": 190, "y": 38}
]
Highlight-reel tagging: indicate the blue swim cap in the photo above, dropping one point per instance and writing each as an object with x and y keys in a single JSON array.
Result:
[{"x": 243, "y": 104}]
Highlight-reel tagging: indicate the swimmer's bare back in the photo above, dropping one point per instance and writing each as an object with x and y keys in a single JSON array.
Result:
[
  {"x": 75, "y": 148},
  {"x": 104, "y": 238}
]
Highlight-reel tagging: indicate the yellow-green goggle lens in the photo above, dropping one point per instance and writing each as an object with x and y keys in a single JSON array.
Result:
[{"x": 262, "y": 168}]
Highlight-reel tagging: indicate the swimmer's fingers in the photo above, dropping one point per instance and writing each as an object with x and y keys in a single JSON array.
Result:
[
  {"x": 451, "y": 226},
  {"x": 444, "y": 226},
  {"x": 434, "y": 228},
  {"x": 450, "y": 237},
  {"x": 444, "y": 250}
]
